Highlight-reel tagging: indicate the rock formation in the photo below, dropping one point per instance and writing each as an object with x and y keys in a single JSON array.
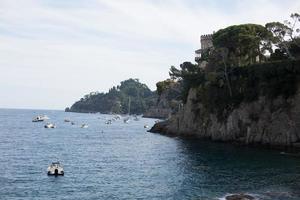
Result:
[
  {"x": 167, "y": 103},
  {"x": 274, "y": 122}
]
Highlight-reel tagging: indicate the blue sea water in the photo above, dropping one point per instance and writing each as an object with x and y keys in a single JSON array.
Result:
[{"x": 123, "y": 161}]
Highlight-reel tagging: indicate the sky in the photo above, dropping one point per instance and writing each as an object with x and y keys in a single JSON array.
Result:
[{"x": 53, "y": 52}]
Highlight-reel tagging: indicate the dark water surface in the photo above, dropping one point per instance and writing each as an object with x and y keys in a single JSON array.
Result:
[{"x": 123, "y": 161}]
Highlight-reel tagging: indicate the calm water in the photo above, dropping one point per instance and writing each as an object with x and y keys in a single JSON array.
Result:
[{"x": 123, "y": 161}]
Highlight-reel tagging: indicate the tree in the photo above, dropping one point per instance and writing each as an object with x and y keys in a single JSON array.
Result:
[
  {"x": 164, "y": 85},
  {"x": 280, "y": 32},
  {"x": 186, "y": 69},
  {"x": 244, "y": 43},
  {"x": 116, "y": 100},
  {"x": 295, "y": 30},
  {"x": 278, "y": 55},
  {"x": 189, "y": 74},
  {"x": 224, "y": 55},
  {"x": 286, "y": 36}
]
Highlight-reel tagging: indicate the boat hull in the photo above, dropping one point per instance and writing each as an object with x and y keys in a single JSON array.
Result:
[
  {"x": 54, "y": 174},
  {"x": 37, "y": 120},
  {"x": 55, "y": 170},
  {"x": 50, "y": 126}
]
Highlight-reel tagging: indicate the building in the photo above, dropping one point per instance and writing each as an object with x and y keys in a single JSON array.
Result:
[{"x": 206, "y": 45}]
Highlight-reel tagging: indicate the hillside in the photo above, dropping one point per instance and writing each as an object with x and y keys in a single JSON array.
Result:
[{"x": 130, "y": 94}]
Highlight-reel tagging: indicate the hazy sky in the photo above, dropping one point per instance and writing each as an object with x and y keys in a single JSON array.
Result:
[{"x": 52, "y": 52}]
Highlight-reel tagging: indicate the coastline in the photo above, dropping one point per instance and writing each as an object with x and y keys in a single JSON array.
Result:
[
  {"x": 293, "y": 151},
  {"x": 275, "y": 126}
]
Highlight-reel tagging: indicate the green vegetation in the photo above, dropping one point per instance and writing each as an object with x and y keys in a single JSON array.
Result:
[
  {"x": 248, "y": 83},
  {"x": 241, "y": 66},
  {"x": 244, "y": 44},
  {"x": 286, "y": 37},
  {"x": 164, "y": 85},
  {"x": 190, "y": 75},
  {"x": 117, "y": 100},
  {"x": 239, "y": 69},
  {"x": 169, "y": 92}
]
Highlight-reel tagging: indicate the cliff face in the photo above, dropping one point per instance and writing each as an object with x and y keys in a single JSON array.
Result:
[
  {"x": 162, "y": 109},
  {"x": 274, "y": 122},
  {"x": 167, "y": 103}
]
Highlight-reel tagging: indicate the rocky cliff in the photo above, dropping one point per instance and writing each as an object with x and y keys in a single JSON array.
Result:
[
  {"x": 167, "y": 103},
  {"x": 266, "y": 121}
]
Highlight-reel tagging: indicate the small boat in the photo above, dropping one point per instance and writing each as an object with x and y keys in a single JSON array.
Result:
[
  {"x": 117, "y": 117},
  {"x": 108, "y": 121},
  {"x": 50, "y": 125},
  {"x": 67, "y": 120},
  {"x": 146, "y": 126},
  {"x": 84, "y": 126},
  {"x": 73, "y": 123},
  {"x": 40, "y": 118},
  {"x": 55, "y": 169},
  {"x": 136, "y": 118},
  {"x": 126, "y": 120}
]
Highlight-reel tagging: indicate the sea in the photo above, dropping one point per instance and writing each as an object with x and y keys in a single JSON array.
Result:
[{"x": 124, "y": 161}]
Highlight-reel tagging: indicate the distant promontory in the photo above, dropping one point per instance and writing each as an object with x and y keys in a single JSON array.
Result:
[{"x": 130, "y": 97}]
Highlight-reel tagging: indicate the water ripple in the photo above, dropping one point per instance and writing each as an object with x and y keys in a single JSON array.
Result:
[{"x": 123, "y": 161}]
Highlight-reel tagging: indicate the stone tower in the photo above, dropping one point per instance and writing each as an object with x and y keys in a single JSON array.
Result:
[{"x": 206, "y": 44}]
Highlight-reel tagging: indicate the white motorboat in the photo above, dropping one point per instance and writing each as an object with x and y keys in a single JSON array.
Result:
[
  {"x": 50, "y": 125},
  {"x": 40, "y": 118},
  {"x": 146, "y": 126},
  {"x": 84, "y": 126},
  {"x": 55, "y": 169}
]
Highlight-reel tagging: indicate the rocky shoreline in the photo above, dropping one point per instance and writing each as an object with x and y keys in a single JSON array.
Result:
[{"x": 265, "y": 122}]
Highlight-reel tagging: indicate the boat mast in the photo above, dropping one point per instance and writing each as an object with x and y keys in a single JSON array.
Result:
[{"x": 129, "y": 105}]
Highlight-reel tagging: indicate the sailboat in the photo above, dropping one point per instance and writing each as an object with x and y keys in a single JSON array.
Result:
[{"x": 127, "y": 119}]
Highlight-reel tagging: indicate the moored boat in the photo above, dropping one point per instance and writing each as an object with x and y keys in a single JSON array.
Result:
[
  {"x": 108, "y": 121},
  {"x": 117, "y": 117},
  {"x": 136, "y": 118},
  {"x": 40, "y": 118},
  {"x": 84, "y": 126},
  {"x": 50, "y": 125},
  {"x": 55, "y": 169},
  {"x": 126, "y": 120}
]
